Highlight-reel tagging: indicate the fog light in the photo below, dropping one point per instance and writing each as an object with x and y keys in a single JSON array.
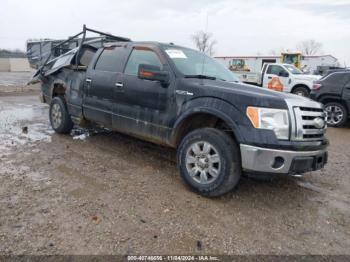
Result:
[{"x": 278, "y": 163}]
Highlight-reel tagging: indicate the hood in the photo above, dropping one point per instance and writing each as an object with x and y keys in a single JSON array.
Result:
[
  {"x": 243, "y": 95},
  {"x": 307, "y": 77},
  {"x": 250, "y": 90}
]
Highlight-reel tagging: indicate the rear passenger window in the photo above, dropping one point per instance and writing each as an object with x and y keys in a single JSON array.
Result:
[
  {"x": 338, "y": 79},
  {"x": 110, "y": 59},
  {"x": 141, "y": 56}
]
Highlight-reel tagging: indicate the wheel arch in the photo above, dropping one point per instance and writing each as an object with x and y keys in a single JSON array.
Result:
[
  {"x": 300, "y": 85},
  {"x": 328, "y": 99},
  {"x": 204, "y": 116},
  {"x": 59, "y": 88}
]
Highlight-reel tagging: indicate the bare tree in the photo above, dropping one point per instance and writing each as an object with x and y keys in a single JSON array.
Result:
[
  {"x": 204, "y": 42},
  {"x": 309, "y": 47}
]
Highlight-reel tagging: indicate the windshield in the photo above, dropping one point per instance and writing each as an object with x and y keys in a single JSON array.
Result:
[
  {"x": 292, "y": 69},
  {"x": 193, "y": 63}
]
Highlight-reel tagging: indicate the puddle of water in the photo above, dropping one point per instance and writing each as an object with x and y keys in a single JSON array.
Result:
[{"x": 16, "y": 129}]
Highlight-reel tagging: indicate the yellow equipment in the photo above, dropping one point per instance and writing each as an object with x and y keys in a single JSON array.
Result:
[
  {"x": 237, "y": 64},
  {"x": 292, "y": 58}
]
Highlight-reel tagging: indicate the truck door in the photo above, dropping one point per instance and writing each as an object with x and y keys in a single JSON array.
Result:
[
  {"x": 142, "y": 108},
  {"x": 101, "y": 79},
  {"x": 276, "y": 78},
  {"x": 346, "y": 90}
]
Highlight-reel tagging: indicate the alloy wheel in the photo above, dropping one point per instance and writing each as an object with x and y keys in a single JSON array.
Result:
[
  {"x": 56, "y": 115},
  {"x": 334, "y": 114},
  {"x": 203, "y": 162}
]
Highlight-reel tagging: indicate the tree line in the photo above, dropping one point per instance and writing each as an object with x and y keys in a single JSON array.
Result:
[
  {"x": 205, "y": 43},
  {"x": 5, "y": 53}
]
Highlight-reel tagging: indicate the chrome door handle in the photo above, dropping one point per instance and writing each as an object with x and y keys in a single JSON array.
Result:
[
  {"x": 88, "y": 80},
  {"x": 118, "y": 84}
]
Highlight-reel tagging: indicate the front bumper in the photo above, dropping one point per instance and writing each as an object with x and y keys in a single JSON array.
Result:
[{"x": 266, "y": 160}]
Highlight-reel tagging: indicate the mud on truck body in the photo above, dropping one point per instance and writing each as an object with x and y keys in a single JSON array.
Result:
[{"x": 178, "y": 97}]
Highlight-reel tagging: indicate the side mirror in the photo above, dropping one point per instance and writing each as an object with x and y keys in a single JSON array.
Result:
[
  {"x": 153, "y": 73},
  {"x": 283, "y": 74}
]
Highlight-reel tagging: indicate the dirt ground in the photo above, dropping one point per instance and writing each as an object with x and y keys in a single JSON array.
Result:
[{"x": 106, "y": 193}]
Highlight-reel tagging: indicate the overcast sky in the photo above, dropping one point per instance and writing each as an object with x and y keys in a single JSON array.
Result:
[{"x": 244, "y": 27}]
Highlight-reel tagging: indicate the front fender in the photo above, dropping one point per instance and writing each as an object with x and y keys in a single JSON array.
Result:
[
  {"x": 306, "y": 83},
  {"x": 214, "y": 106},
  {"x": 323, "y": 98}
]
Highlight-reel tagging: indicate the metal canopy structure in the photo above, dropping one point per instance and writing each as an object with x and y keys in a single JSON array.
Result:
[{"x": 57, "y": 48}]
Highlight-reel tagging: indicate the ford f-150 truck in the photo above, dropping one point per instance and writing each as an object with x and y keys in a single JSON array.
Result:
[{"x": 179, "y": 97}]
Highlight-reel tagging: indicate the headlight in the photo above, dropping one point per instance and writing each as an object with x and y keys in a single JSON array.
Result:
[{"x": 269, "y": 118}]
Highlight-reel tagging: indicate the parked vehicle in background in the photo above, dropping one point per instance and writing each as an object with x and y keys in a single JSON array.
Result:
[
  {"x": 290, "y": 78},
  {"x": 292, "y": 58},
  {"x": 333, "y": 90},
  {"x": 280, "y": 77},
  {"x": 179, "y": 97},
  {"x": 323, "y": 70},
  {"x": 310, "y": 64}
]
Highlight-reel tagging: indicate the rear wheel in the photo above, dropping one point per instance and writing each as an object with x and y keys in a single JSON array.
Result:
[
  {"x": 209, "y": 162},
  {"x": 59, "y": 117},
  {"x": 301, "y": 91},
  {"x": 336, "y": 114}
]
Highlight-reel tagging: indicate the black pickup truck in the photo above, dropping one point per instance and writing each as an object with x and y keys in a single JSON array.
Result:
[{"x": 179, "y": 97}]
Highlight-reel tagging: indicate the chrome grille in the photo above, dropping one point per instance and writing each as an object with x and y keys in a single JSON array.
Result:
[
  {"x": 303, "y": 113},
  {"x": 308, "y": 124}
]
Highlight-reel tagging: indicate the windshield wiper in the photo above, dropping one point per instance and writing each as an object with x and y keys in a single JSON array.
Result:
[{"x": 201, "y": 77}]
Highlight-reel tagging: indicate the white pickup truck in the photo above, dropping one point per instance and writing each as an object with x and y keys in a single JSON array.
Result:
[{"x": 281, "y": 77}]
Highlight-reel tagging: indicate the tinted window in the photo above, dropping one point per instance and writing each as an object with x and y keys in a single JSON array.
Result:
[
  {"x": 275, "y": 70},
  {"x": 138, "y": 57},
  {"x": 339, "y": 79},
  {"x": 110, "y": 59}
]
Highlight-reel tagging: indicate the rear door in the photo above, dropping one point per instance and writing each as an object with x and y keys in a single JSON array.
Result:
[
  {"x": 346, "y": 90},
  {"x": 101, "y": 80}
]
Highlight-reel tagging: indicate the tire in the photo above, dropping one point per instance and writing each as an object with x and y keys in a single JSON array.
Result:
[
  {"x": 222, "y": 173},
  {"x": 337, "y": 114},
  {"x": 59, "y": 117},
  {"x": 302, "y": 91}
]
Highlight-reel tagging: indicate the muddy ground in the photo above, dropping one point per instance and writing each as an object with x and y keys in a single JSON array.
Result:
[{"x": 106, "y": 193}]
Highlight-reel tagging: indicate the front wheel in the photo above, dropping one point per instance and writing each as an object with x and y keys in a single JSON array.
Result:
[
  {"x": 209, "y": 162},
  {"x": 59, "y": 117},
  {"x": 336, "y": 114},
  {"x": 301, "y": 91}
]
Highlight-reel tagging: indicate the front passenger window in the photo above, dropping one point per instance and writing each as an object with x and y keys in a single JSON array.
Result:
[
  {"x": 141, "y": 56},
  {"x": 275, "y": 70}
]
